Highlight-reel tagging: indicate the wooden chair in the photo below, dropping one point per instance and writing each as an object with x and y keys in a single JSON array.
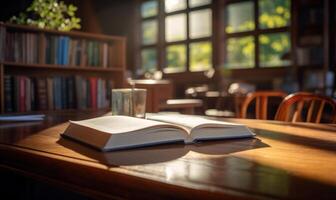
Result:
[
  {"x": 261, "y": 102},
  {"x": 293, "y": 108}
]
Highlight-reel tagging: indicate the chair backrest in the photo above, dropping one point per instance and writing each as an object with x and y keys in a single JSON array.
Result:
[
  {"x": 306, "y": 107},
  {"x": 261, "y": 102}
]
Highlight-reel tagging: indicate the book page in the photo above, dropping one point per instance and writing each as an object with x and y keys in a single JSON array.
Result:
[
  {"x": 204, "y": 129},
  {"x": 188, "y": 121},
  {"x": 120, "y": 124}
]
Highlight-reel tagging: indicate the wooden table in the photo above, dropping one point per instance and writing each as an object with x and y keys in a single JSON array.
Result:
[{"x": 285, "y": 161}]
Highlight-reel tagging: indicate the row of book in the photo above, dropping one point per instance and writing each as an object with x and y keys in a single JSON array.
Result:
[
  {"x": 64, "y": 50},
  {"x": 19, "y": 47},
  {"x": 309, "y": 55},
  {"x": 25, "y": 47},
  {"x": 2, "y": 43},
  {"x": 23, "y": 94}
]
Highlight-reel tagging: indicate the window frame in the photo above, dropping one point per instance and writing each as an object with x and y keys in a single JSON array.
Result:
[
  {"x": 218, "y": 38},
  {"x": 162, "y": 44},
  {"x": 255, "y": 33}
]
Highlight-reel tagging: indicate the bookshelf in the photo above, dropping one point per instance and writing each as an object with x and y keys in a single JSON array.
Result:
[
  {"x": 47, "y": 70},
  {"x": 313, "y": 44}
]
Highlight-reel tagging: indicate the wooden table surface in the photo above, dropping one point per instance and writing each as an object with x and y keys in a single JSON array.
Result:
[{"x": 284, "y": 161}]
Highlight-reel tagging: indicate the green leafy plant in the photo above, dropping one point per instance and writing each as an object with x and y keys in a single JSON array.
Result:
[{"x": 49, "y": 14}]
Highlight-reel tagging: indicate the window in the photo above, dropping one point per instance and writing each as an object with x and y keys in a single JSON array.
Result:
[
  {"x": 176, "y": 35},
  {"x": 149, "y": 35},
  {"x": 256, "y": 39}
]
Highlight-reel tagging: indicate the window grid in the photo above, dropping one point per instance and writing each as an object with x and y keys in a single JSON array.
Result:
[
  {"x": 256, "y": 33},
  {"x": 219, "y": 51},
  {"x": 162, "y": 45}
]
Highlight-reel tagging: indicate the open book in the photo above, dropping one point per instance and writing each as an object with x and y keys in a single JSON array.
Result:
[{"x": 122, "y": 132}]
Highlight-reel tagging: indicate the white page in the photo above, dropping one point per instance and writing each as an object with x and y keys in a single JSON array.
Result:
[
  {"x": 188, "y": 121},
  {"x": 119, "y": 124}
]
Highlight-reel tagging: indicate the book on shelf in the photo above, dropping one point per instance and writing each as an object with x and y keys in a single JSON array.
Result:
[
  {"x": 122, "y": 132},
  {"x": 25, "y": 47},
  {"x": 23, "y": 94},
  {"x": 19, "y": 46}
]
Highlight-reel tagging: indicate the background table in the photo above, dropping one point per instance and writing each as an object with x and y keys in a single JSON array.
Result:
[{"x": 283, "y": 161}]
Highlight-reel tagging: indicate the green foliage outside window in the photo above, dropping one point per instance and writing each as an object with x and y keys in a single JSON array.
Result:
[
  {"x": 148, "y": 57},
  {"x": 200, "y": 56},
  {"x": 149, "y": 9},
  {"x": 240, "y": 52},
  {"x": 176, "y": 58},
  {"x": 149, "y": 32},
  {"x": 272, "y": 47},
  {"x": 274, "y": 13}
]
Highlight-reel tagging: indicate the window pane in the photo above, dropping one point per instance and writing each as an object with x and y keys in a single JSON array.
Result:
[
  {"x": 274, "y": 49},
  {"x": 200, "y": 23},
  {"x": 200, "y": 56},
  {"x": 240, "y": 52},
  {"x": 196, "y": 3},
  {"x": 176, "y": 27},
  {"x": 175, "y": 5},
  {"x": 149, "y": 31},
  {"x": 274, "y": 13},
  {"x": 148, "y": 57},
  {"x": 239, "y": 17},
  {"x": 176, "y": 58},
  {"x": 149, "y": 9}
]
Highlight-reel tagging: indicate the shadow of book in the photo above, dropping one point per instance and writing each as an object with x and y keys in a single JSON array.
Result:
[{"x": 162, "y": 153}]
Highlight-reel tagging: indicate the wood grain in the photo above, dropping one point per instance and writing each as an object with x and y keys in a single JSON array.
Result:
[{"x": 285, "y": 160}]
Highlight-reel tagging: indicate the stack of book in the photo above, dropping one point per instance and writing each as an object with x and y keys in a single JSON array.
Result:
[{"x": 24, "y": 93}]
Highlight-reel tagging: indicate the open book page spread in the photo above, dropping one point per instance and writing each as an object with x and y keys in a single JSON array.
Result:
[{"x": 121, "y": 132}]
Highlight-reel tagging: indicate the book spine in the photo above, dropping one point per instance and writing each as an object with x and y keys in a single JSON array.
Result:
[
  {"x": 16, "y": 94},
  {"x": 79, "y": 92},
  {"x": 64, "y": 93},
  {"x": 71, "y": 92},
  {"x": 78, "y": 56},
  {"x": 50, "y": 93},
  {"x": 42, "y": 94},
  {"x": 71, "y": 52},
  {"x": 88, "y": 94},
  {"x": 59, "y": 50},
  {"x": 33, "y": 94},
  {"x": 2, "y": 43},
  {"x": 53, "y": 50},
  {"x": 22, "y": 94},
  {"x": 66, "y": 50},
  {"x": 89, "y": 52},
  {"x": 93, "y": 90},
  {"x": 27, "y": 93},
  {"x": 105, "y": 55},
  {"x": 99, "y": 93},
  {"x": 96, "y": 54},
  {"x": 57, "y": 93},
  {"x": 37, "y": 47},
  {"x": 8, "y": 93},
  {"x": 47, "y": 50},
  {"x": 110, "y": 56}
]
